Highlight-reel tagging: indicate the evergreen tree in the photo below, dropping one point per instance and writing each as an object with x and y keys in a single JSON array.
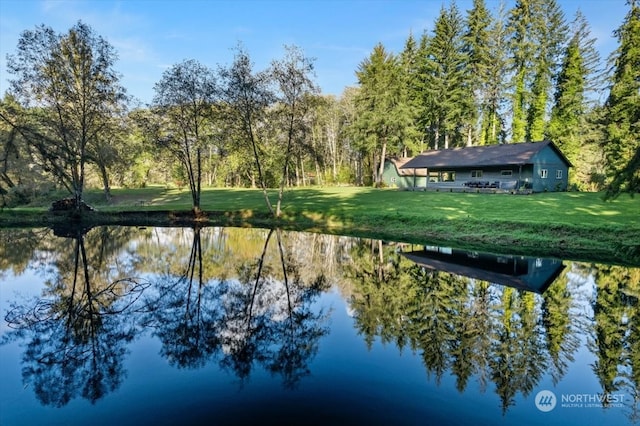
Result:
[
  {"x": 427, "y": 117},
  {"x": 622, "y": 109},
  {"x": 446, "y": 79},
  {"x": 521, "y": 50},
  {"x": 576, "y": 81},
  {"x": 550, "y": 33},
  {"x": 492, "y": 128},
  {"x": 410, "y": 95},
  {"x": 537, "y": 33},
  {"x": 478, "y": 48},
  {"x": 382, "y": 115}
]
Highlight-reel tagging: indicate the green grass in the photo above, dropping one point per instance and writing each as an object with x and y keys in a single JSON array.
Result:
[
  {"x": 567, "y": 224},
  {"x": 562, "y": 207}
]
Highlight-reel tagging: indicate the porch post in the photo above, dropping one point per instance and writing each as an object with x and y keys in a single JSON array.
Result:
[{"x": 519, "y": 176}]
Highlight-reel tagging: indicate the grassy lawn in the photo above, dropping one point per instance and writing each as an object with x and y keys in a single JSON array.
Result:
[{"x": 567, "y": 224}]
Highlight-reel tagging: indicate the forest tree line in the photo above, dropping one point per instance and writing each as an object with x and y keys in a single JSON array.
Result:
[{"x": 479, "y": 77}]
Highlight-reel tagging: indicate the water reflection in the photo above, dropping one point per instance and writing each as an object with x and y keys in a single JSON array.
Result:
[
  {"x": 444, "y": 305},
  {"x": 77, "y": 333},
  {"x": 615, "y": 338},
  {"x": 524, "y": 273},
  {"x": 246, "y": 300},
  {"x": 262, "y": 316},
  {"x": 96, "y": 301}
]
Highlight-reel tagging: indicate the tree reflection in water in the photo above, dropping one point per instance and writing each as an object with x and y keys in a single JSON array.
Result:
[
  {"x": 616, "y": 333},
  {"x": 78, "y": 331},
  {"x": 263, "y": 317},
  {"x": 185, "y": 314},
  {"x": 245, "y": 299},
  {"x": 497, "y": 334}
]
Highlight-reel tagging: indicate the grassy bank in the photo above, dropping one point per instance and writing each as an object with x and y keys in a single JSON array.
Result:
[{"x": 571, "y": 225}]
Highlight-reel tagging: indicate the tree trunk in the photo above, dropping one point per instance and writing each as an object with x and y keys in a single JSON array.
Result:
[
  {"x": 298, "y": 176},
  {"x": 105, "y": 183},
  {"x": 198, "y": 189},
  {"x": 318, "y": 174},
  {"x": 381, "y": 168}
]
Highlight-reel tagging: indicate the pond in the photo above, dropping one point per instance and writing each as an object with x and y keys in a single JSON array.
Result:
[{"x": 165, "y": 326}]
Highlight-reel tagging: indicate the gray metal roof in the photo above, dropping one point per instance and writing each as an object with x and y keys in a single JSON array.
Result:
[{"x": 487, "y": 155}]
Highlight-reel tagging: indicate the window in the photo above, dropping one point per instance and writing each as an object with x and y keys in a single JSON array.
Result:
[
  {"x": 506, "y": 173},
  {"x": 448, "y": 176},
  {"x": 544, "y": 173},
  {"x": 476, "y": 173},
  {"x": 558, "y": 174}
]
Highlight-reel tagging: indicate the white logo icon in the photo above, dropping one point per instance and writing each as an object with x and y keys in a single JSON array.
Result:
[{"x": 546, "y": 400}]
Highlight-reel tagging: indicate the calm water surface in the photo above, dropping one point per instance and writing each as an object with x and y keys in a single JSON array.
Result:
[{"x": 166, "y": 326}]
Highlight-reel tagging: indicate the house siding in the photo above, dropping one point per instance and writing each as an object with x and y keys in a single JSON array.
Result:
[
  {"x": 393, "y": 179},
  {"x": 534, "y": 167},
  {"x": 547, "y": 159}
]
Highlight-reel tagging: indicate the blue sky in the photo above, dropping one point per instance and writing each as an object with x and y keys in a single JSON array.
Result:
[{"x": 151, "y": 35}]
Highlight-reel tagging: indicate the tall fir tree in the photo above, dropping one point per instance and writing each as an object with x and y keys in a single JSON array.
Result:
[
  {"x": 492, "y": 128},
  {"x": 410, "y": 95},
  {"x": 382, "y": 112},
  {"x": 485, "y": 43},
  {"x": 476, "y": 46},
  {"x": 521, "y": 50},
  {"x": 578, "y": 79},
  {"x": 427, "y": 117},
  {"x": 447, "y": 79},
  {"x": 537, "y": 34},
  {"x": 622, "y": 109},
  {"x": 549, "y": 33}
]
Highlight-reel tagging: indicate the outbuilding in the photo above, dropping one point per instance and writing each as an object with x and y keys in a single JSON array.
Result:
[
  {"x": 394, "y": 176},
  {"x": 527, "y": 166}
]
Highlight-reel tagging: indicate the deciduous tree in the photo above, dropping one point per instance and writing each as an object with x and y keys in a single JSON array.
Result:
[
  {"x": 246, "y": 96},
  {"x": 185, "y": 100},
  {"x": 69, "y": 85},
  {"x": 293, "y": 77}
]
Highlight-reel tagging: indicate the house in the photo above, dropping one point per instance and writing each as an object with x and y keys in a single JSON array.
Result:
[
  {"x": 530, "y": 166},
  {"x": 394, "y": 176},
  {"x": 531, "y": 274}
]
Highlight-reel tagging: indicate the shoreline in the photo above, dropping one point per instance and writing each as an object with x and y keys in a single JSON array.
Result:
[{"x": 568, "y": 242}]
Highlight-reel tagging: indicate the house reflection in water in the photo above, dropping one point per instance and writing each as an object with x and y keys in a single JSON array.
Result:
[{"x": 525, "y": 273}]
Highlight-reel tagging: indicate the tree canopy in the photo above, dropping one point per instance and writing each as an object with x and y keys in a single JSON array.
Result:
[
  {"x": 71, "y": 91},
  {"x": 476, "y": 77}
]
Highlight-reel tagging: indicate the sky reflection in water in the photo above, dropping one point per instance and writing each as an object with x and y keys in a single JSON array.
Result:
[{"x": 237, "y": 326}]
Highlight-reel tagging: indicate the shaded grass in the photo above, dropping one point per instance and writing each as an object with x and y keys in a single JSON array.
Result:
[
  {"x": 569, "y": 225},
  {"x": 548, "y": 208}
]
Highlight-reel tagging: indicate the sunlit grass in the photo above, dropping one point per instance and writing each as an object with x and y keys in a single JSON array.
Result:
[
  {"x": 554, "y": 223},
  {"x": 554, "y": 208}
]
